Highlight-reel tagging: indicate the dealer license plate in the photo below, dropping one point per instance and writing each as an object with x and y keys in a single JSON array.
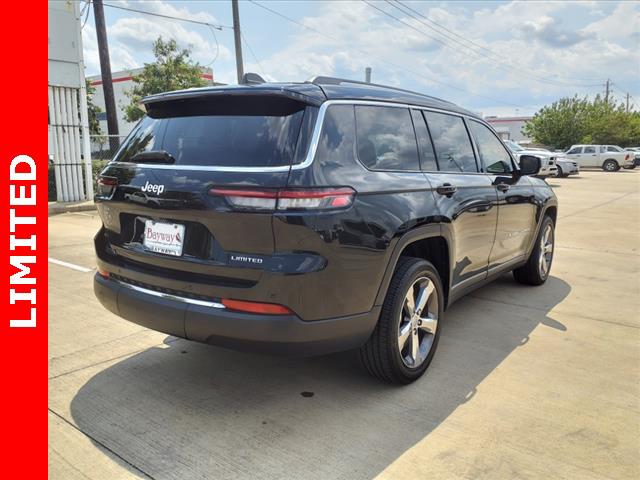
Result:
[{"x": 161, "y": 237}]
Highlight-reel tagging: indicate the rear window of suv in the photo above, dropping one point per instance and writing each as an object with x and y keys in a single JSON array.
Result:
[{"x": 238, "y": 139}]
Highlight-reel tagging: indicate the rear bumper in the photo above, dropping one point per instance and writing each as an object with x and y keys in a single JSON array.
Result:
[{"x": 211, "y": 323}]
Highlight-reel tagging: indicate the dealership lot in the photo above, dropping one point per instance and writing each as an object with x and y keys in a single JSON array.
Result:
[{"x": 527, "y": 382}]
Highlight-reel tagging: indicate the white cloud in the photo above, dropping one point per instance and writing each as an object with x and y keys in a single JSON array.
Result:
[
  {"x": 520, "y": 34},
  {"x": 131, "y": 38},
  {"x": 568, "y": 44}
]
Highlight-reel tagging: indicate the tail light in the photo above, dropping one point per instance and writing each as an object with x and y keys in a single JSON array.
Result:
[
  {"x": 626, "y": 157},
  {"x": 287, "y": 199},
  {"x": 256, "y": 307},
  {"x": 106, "y": 186}
]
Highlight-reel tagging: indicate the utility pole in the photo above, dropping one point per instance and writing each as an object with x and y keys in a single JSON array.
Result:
[
  {"x": 238, "y": 39},
  {"x": 105, "y": 70},
  {"x": 367, "y": 74},
  {"x": 627, "y": 102},
  {"x": 606, "y": 92}
]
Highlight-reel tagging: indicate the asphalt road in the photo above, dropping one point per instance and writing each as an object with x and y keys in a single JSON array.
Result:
[{"x": 527, "y": 382}]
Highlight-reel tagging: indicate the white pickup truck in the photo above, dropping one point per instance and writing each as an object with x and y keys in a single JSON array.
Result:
[{"x": 608, "y": 157}]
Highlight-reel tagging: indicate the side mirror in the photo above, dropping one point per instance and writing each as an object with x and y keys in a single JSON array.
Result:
[{"x": 529, "y": 165}]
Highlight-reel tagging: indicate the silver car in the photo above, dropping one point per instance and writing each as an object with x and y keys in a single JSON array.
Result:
[{"x": 567, "y": 167}]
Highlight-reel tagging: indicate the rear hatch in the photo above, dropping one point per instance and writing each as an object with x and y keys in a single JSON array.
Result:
[{"x": 163, "y": 201}]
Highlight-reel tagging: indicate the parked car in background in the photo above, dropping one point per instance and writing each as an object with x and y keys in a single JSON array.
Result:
[
  {"x": 636, "y": 152},
  {"x": 566, "y": 167},
  {"x": 547, "y": 159},
  {"x": 608, "y": 157}
]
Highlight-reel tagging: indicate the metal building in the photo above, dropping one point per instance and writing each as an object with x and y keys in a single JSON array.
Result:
[
  {"x": 68, "y": 119},
  {"x": 510, "y": 128}
]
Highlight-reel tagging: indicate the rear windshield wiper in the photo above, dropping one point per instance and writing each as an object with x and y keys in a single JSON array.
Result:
[{"x": 153, "y": 156}]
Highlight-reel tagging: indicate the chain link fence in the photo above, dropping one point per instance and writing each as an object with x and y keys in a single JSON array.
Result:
[{"x": 103, "y": 148}]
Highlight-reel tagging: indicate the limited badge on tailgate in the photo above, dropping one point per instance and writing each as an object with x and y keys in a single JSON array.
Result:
[{"x": 161, "y": 237}]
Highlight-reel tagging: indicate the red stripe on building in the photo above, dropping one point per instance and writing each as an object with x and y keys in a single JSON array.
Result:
[{"x": 206, "y": 76}]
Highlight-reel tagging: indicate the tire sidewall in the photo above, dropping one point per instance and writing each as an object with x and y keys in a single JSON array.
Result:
[
  {"x": 610, "y": 162},
  {"x": 543, "y": 227},
  {"x": 421, "y": 268}
]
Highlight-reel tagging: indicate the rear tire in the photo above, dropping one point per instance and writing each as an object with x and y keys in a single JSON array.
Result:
[
  {"x": 610, "y": 165},
  {"x": 389, "y": 354},
  {"x": 536, "y": 270}
]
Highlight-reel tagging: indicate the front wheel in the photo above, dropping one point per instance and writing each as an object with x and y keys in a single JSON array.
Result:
[
  {"x": 560, "y": 173},
  {"x": 610, "y": 166},
  {"x": 536, "y": 270},
  {"x": 406, "y": 336}
]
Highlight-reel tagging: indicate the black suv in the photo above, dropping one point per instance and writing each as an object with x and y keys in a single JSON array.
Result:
[{"x": 314, "y": 217}]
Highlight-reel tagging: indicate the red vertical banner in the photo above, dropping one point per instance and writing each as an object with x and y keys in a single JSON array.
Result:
[{"x": 24, "y": 160}]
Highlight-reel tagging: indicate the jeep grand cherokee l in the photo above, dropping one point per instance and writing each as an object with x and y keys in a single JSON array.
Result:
[{"x": 307, "y": 218}]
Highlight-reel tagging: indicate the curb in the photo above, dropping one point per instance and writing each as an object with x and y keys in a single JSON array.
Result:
[{"x": 58, "y": 208}]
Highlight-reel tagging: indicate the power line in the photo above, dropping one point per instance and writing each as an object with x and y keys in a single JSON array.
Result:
[
  {"x": 171, "y": 17},
  {"x": 471, "y": 42},
  {"x": 252, "y": 52},
  {"x": 470, "y": 55},
  {"x": 395, "y": 65}
]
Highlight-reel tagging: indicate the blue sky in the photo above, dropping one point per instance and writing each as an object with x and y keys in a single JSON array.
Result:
[{"x": 524, "y": 54}]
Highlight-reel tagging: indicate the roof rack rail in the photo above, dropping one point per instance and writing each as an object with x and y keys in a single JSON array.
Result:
[{"x": 321, "y": 80}]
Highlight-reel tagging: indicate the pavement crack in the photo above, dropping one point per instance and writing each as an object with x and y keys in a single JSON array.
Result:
[
  {"x": 117, "y": 357},
  {"x": 541, "y": 309},
  {"x": 95, "y": 440},
  {"x": 597, "y": 205}
]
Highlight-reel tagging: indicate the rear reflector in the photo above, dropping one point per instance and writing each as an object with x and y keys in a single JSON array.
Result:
[
  {"x": 103, "y": 273},
  {"x": 256, "y": 307},
  {"x": 288, "y": 198}
]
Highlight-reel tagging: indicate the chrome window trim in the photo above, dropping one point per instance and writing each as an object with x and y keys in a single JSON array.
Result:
[
  {"x": 169, "y": 296},
  {"x": 313, "y": 147}
]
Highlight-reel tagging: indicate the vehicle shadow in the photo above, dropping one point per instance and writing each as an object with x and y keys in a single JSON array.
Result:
[{"x": 184, "y": 410}]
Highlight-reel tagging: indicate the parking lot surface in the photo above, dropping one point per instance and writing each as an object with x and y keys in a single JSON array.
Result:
[{"x": 527, "y": 382}]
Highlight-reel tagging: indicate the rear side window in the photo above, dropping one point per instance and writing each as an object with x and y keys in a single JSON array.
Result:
[
  {"x": 427, "y": 155},
  {"x": 248, "y": 139},
  {"x": 386, "y": 140},
  {"x": 492, "y": 153},
  {"x": 452, "y": 143}
]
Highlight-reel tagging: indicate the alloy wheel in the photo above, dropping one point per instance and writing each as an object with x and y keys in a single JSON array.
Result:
[
  {"x": 418, "y": 322},
  {"x": 546, "y": 250}
]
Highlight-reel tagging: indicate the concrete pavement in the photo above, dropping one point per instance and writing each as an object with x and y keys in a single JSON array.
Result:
[{"x": 527, "y": 382}]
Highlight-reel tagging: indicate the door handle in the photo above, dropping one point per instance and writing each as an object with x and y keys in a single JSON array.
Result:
[
  {"x": 446, "y": 189},
  {"x": 503, "y": 187}
]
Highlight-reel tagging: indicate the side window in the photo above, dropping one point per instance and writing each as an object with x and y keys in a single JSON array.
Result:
[
  {"x": 575, "y": 150},
  {"x": 386, "y": 140},
  {"x": 493, "y": 154},
  {"x": 612, "y": 148},
  {"x": 427, "y": 155},
  {"x": 589, "y": 149},
  {"x": 451, "y": 141}
]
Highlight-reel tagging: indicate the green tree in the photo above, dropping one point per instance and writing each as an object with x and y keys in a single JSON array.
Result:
[
  {"x": 93, "y": 111},
  {"x": 560, "y": 124},
  {"x": 172, "y": 70},
  {"x": 580, "y": 120}
]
